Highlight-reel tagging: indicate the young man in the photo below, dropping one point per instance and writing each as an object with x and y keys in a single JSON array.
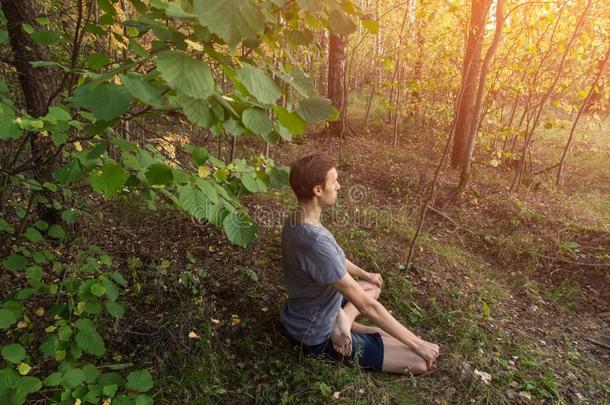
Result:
[{"x": 324, "y": 299}]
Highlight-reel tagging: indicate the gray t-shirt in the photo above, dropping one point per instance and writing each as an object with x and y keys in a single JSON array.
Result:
[{"x": 312, "y": 261}]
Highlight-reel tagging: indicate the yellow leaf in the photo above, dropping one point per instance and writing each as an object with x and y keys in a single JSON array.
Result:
[
  {"x": 235, "y": 321},
  {"x": 39, "y": 311},
  {"x": 22, "y": 324},
  {"x": 78, "y": 146},
  {"x": 193, "y": 335},
  {"x": 214, "y": 321},
  {"x": 203, "y": 171},
  {"x": 24, "y": 368},
  {"x": 50, "y": 329},
  {"x": 494, "y": 162}
]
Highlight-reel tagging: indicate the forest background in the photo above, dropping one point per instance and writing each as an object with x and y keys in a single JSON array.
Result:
[{"x": 143, "y": 169}]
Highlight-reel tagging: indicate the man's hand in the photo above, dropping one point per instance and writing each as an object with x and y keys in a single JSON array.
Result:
[
  {"x": 428, "y": 351},
  {"x": 374, "y": 278}
]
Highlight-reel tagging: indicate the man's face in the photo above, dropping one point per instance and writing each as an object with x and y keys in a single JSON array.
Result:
[{"x": 330, "y": 189}]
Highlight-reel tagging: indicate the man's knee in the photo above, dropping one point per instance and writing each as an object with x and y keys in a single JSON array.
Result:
[{"x": 376, "y": 291}]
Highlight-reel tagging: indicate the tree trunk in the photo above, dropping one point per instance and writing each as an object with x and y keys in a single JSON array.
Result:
[
  {"x": 37, "y": 85},
  {"x": 336, "y": 68},
  {"x": 470, "y": 74},
  {"x": 35, "y": 82},
  {"x": 476, "y": 115}
]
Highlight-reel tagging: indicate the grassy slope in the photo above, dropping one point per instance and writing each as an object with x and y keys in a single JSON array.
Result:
[{"x": 487, "y": 287}]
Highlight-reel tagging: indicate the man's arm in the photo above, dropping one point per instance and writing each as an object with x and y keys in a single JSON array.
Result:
[
  {"x": 360, "y": 274},
  {"x": 377, "y": 313}
]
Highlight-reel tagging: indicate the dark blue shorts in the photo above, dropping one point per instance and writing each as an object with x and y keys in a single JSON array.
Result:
[{"x": 367, "y": 350}]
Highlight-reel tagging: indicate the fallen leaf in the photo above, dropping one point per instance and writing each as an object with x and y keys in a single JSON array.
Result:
[
  {"x": 193, "y": 335},
  {"x": 485, "y": 377},
  {"x": 235, "y": 320},
  {"x": 214, "y": 321},
  {"x": 39, "y": 311},
  {"x": 526, "y": 395},
  {"x": 336, "y": 395}
]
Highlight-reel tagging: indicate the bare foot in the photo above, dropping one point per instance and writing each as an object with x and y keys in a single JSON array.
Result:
[{"x": 341, "y": 336}]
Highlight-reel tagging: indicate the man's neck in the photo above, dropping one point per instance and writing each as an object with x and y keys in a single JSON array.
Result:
[{"x": 309, "y": 212}]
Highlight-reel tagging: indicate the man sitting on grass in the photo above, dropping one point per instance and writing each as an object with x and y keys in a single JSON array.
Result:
[{"x": 324, "y": 299}]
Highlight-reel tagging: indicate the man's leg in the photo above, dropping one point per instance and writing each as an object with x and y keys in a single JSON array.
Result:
[
  {"x": 340, "y": 336},
  {"x": 398, "y": 358}
]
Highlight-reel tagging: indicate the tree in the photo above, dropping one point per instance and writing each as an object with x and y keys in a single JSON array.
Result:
[
  {"x": 336, "y": 72},
  {"x": 470, "y": 75}
]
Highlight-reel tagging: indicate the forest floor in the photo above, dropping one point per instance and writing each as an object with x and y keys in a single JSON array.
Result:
[{"x": 514, "y": 287}]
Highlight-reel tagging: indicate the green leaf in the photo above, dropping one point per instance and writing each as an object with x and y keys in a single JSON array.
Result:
[
  {"x": 71, "y": 172},
  {"x": 6, "y": 227},
  {"x": 239, "y": 228},
  {"x": 159, "y": 174},
  {"x": 188, "y": 76},
  {"x": 110, "y": 390},
  {"x": 142, "y": 89},
  {"x": 112, "y": 291},
  {"x": 7, "y": 318},
  {"x": 97, "y": 151},
  {"x": 230, "y": 20},
  {"x": 291, "y": 121},
  {"x": 57, "y": 232},
  {"x": 300, "y": 82},
  {"x": 96, "y": 60},
  {"x": 110, "y": 181},
  {"x": 340, "y": 23},
  {"x": 200, "y": 155},
  {"x": 315, "y": 109},
  {"x": 91, "y": 373},
  {"x": 57, "y": 115},
  {"x": 119, "y": 279},
  {"x": 64, "y": 333},
  {"x": 144, "y": 400},
  {"x": 259, "y": 84},
  {"x": 15, "y": 262},
  {"x": 115, "y": 309},
  {"x": 3, "y": 36},
  {"x": 106, "y": 6},
  {"x": 257, "y": 121},
  {"x": 174, "y": 10},
  {"x": 34, "y": 275},
  {"x": 14, "y": 353},
  {"x": 98, "y": 290},
  {"x": 9, "y": 129},
  {"x": 140, "y": 380},
  {"x": 108, "y": 101},
  {"x": 90, "y": 341},
  {"x": 197, "y": 110},
  {"x": 278, "y": 177},
  {"x": 54, "y": 379},
  {"x": 45, "y": 37},
  {"x": 193, "y": 201},
  {"x": 73, "y": 378},
  {"x": 28, "y": 385},
  {"x": 68, "y": 216},
  {"x": 33, "y": 235}
]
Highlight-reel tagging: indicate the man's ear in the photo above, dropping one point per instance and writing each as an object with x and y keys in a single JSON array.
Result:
[{"x": 317, "y": 190}]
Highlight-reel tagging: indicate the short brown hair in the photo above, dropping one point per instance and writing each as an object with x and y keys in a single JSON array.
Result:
[{"x": 308, "y": 172}]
